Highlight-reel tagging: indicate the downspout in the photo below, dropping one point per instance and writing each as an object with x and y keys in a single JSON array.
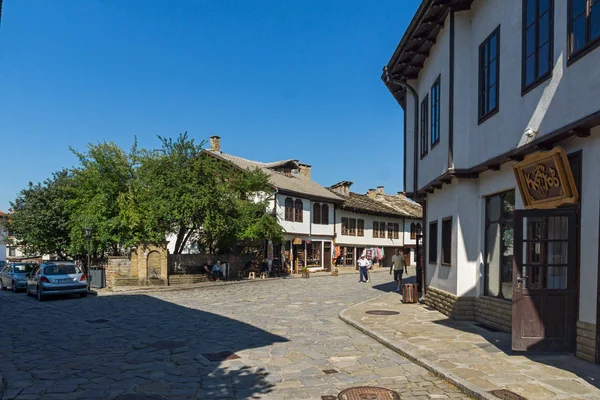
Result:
[{"x": 405, "y": 85}]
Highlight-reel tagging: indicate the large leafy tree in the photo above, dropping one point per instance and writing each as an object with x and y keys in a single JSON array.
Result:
[{"x": 40, "y": 216}]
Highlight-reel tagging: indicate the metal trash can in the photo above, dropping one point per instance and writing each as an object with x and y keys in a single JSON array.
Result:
[{"x": 98, "y": 277}]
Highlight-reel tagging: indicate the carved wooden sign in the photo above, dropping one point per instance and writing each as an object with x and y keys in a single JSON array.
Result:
[{"x": 545, "y": 179}]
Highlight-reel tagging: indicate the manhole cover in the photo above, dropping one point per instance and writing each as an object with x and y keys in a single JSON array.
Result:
[
  {"x": 330, "y": 371},
  {"x": 368, "y": 393},
  {"x": 96, "y": 321},
  {"x": 382, "y": 312},
  {"x": 222, "y": 356},
  {"x": 507, "y": 395},
  {"x": 139, "y": 396},
  {"x": 167, "y": 345}
]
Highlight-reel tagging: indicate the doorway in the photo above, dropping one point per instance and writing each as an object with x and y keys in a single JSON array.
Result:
[{"x": 545, "y": 281}]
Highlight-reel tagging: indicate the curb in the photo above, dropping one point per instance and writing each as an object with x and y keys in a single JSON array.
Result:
[{"x": 465, "y": 386}]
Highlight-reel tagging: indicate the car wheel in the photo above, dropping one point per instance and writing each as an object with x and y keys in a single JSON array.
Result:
[
  {"x": 84, "y": 295},
  {"x": 40, "y": 296},
  {"x": 14, "y": 287}
]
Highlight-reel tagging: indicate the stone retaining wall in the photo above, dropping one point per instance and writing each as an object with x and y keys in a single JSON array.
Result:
[
  {"x": 187, "y": 279},
  {"x": 586, "y": 341},
  {"x": 494, "y": 312},
  {"x": 460, "y": 308}
]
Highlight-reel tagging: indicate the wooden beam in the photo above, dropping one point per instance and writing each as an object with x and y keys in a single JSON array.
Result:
[
  {"x": 517, "y": 157},
  {"x": 545, "y": 145},
  {"x": 428, "y": 190},
  {"x": 437, "y": 185},
  {"x": 494, "y": 167},
  {"x": 581, "y": 132},
  {"x": 447, "y": 181}
]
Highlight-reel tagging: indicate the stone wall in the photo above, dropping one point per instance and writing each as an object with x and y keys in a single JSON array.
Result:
[
  {"x": 117, "y": 267},
  {"x": 494, "y": 312},
  {"x": 192, "y": 264},
  {"x": 586, "y": 341},
  {"x": 460, "y": 308}
]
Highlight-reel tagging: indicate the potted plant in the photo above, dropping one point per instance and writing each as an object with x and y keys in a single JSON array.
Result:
[
  {"x": 305, "y": 272},
  {"x": 335, "y": 271}
]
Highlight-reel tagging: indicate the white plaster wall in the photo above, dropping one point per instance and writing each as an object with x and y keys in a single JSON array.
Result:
[
  {"x": 289, "y": 226},
  {"x": 436, "y": 161},
  {"x": 409, "y": 145},
  {"x": 465, "y": 237},
  {"x": 407, "y": 222},
  {"x": 367, "y": 239},
  {"x": 321, "y": 229},
  {"x": 441, "y": 204}
]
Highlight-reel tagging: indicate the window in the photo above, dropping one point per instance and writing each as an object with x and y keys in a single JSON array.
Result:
[
  {"x": 299, "y": 208},
  {"x": 433, "y": 237},
  {"x": 499, "y": 216},
  {"x": 393, "y": 230},
  {"x": 360, "y": 227},
  {"x": 375, "y": 229},
  {"x": 584, "y": 26},
  {"x": 413, "y": 231},
  {"x": 419, "y": 230},
  {"x": 11, "y": 252},
  {"x": 537, "y": 42},
  {"x": 325, "y": 214},
  {"x": 352, "y": 227},
  {"x": 316, "y": 213},
  {"x": 424, "y": 126},
  {"x": 489, "y": 68},
  {"x": 435, "y": 113},
  {"x": 345, "y": 226},
  {"x": 382, "y": 230},
  {"x": 447, "y": 241},
  {"x": 289, "y": 209}
]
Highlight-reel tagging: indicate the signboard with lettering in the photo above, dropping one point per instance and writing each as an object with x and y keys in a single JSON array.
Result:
[{"x": 545, "y": 179}]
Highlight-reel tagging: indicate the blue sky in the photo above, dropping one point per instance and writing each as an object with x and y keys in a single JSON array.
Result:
[{"x": 275, "y": 79}]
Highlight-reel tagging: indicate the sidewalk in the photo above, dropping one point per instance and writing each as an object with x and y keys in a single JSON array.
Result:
[{"x": 471, "y": 357}]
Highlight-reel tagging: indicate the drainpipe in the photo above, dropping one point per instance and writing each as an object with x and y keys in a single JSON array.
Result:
[{"x": 404, "y": 84}]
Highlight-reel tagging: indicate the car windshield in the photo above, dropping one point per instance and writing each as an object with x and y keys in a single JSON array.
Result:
[
  {"x": 61, "y": 270},
  {"x": 23, "y": 268}
]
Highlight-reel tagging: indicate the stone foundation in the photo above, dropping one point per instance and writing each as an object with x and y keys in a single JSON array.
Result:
[
  {"x": 460, "y": 308},
  {"x": 586, "y": 341},
  {"x": 187, "y": 279},
  {"x": 494, "y": 312}
]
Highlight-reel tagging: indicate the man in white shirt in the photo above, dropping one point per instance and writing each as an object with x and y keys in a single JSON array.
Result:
[{"x": 363, "y": 265}]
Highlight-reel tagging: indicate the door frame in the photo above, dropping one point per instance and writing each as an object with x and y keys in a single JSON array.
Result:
[{"x": 572, "y": 276}]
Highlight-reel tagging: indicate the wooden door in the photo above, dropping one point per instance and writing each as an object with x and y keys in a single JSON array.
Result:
[
  {"x": 327, "y": 255},
  {"x": 545, "y": 280}
]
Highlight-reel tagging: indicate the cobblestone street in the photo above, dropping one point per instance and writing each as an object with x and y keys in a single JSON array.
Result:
[{"x": 285, "y": 332}]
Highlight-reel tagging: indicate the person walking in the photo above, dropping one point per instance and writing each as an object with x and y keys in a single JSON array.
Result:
[
  {"x": 363, "y": 264},
  {"x": 398, "y": 266}
]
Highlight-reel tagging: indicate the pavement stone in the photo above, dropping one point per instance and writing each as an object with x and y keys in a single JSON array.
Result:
[{"x": 474, "y": 359}]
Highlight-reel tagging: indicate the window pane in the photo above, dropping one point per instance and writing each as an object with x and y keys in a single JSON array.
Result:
[
  {"x": 507, "y": 258},
  {"x": 492, "y": 249},
  {"x": 530, "y": 69},
  {"x": 493, "y": 45},
  {"x": 595, "y": 20},
  {"x": 531, "y": 11},
  {"x": 543, "y": 60},
  {"x": 543, "y": 6},
  {"x": 578, "y": 7},
  {"x": 492, "y": 68},
  {"x": 544, "y": 28},
  {"x": 484, "y": 103},
  {"x": 530, "y": 41},
  {"x": 578, "y": 36}
]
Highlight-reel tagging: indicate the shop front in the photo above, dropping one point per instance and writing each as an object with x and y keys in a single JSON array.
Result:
[{"x": 307, "y": 252}]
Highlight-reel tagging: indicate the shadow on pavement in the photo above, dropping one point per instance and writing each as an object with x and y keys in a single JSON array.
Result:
[
  {"x": 391, "y": 286},
  {"x": 129, "y": 346}
]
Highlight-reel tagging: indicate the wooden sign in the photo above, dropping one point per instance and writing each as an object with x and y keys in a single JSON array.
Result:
[
  {"x": 297, "y": 241},
  {"x": 545, "y": 179}
]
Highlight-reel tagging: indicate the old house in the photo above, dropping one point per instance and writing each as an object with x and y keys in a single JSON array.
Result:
[{"x": 502, "y": 148}]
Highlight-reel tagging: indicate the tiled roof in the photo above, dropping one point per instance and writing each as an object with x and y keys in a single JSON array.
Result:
[
  {"x": 295, "y": 184},
  {"x": 402, "y": 204},
  {"x": 362, "y": 203}
]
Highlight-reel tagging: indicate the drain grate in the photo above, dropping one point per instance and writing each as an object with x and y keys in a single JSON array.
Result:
[
  {"x": 222, "y": 356},
  {"x": 96, "y": 321},
  {"x": 505, "y": 394},
  {"x": 167, "y": 345},
  {"x": 368, "y": 393},
  {"x": 382, "y": 312},
  {"x": 330, "y": 371}
]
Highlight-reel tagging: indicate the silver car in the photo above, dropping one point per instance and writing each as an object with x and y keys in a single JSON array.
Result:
[
  {"x": 14, "y": 275},
  {"x": 57, "y": 277}
]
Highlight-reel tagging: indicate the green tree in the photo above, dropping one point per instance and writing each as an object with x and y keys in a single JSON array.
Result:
[{"x": 40, "y": 216}]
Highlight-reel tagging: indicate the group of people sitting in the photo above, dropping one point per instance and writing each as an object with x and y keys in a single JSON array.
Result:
[{"x": 214, "y": 271}]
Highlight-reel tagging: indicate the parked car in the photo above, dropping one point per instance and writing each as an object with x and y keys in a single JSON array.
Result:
[
  {"x": 57, "y": 277},
  {"x": 14, "y": 275}
]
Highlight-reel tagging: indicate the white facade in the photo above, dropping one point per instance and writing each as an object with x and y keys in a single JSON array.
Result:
[
  {"x": 306, "y": 227},
  {"x": 367, "y": 240}
]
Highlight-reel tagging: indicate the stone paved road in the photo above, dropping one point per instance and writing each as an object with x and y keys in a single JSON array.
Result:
[{"x": 285, "y": 332}]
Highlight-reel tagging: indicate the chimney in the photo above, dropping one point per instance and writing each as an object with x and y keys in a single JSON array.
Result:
[
  {"x": 379, "y": 189},
  {"x": 304, "y": 169},
  {"x": 215, "y": 143},
  {"x": 371, "y": 193},
  {"x": 342, "y": 188}
]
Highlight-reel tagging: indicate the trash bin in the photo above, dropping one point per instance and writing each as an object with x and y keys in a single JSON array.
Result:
[{"x": 97, "y": 276}]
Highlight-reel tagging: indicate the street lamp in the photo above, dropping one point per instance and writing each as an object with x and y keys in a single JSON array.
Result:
[{"x": 88, "y": 235}]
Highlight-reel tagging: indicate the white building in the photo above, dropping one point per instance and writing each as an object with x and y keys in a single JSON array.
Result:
[{"x": 486, "y": 85}]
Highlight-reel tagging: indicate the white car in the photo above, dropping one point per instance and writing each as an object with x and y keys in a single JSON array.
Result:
[
  {"x": 14, "y": 275},
  {"x": 57, "y": 277}
]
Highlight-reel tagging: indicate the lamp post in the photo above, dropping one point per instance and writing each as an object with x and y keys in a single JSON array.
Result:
[{"x": 88, "y": 235}]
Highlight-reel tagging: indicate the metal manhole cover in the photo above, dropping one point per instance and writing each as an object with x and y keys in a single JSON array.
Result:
[
  {"x": 368, "y": 393},
  {"x": 330, "y": 371},
  {"x": 167, "y": 345},
  {"x": 139, "y": 396},
  {"x": 222, "y": 356},
  {"x": 505, "y": 394},
  {"x": 96, "y": 321},
  {"x": 382, "y": 312}
]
